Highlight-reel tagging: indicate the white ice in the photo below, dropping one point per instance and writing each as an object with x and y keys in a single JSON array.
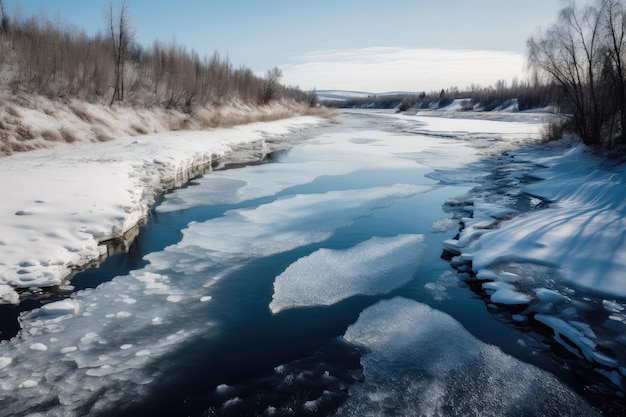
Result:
[
  {"x": 327, "y": 276},
  {"x": 505, "y": 293},
  {"x": 104, "y": 345},
  {"x": 333, "y": 154},
  {"x": 421, "y": 361},
  {"x": 60, "y": 204},
  {"x": 235, "y": 186},
  {"x": 279, "y": 226}
]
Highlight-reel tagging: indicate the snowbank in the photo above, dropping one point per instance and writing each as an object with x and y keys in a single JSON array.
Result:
[
  {"x": 60, "y": 204},
  {"x": 582, "y": 231},
  {"x": 563, "y": 262}
]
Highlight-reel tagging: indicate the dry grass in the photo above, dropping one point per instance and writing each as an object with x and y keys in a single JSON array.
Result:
[
  {"x": 12, "y": 111},
  {"x": 51, "y": 136},
  {"x": 140, "y": 130},
  {"x": 19, "y": 133},
  {"x": 102, "y": 136},
  {"x": 81, "y": 114},
  {"x": 24, "y": 132},
  {"x": 67, "y": 135},
  {"x": 553, "y": 131}
]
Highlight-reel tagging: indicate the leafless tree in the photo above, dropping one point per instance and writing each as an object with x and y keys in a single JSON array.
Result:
[
  {"x": 613, "y": 25},
  {"x": 4, "y": 19},
  {"x": 122, "y": 34},
  {"x": 55, "y": 59},
  {"x": 568, "y": 54},
  {"x": 272, "y": 84},
  {"x": 584, "y": 53}
]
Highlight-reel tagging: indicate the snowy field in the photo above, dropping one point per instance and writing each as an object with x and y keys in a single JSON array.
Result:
[{"x": 60, "y": 204}]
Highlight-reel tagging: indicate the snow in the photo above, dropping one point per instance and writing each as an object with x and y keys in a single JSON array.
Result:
[
  {"x": 100, "y": 340},
  {"x": 64, "y": 202},
  {"x": 420, "y": 361},
  {"x": 327, "y": 276},
  {"x": 505, "y": 293},
  {"x": 456, "y": 104},
  {"x": 335, "y": 155},
  {"x": 581, "y": 233}
]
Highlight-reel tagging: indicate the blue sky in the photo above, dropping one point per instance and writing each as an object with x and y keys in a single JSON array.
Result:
[{"x": 338, "y": 44}]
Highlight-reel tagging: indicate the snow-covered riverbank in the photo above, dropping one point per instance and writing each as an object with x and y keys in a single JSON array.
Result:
[
  {"x": 548, "y": 248},
  {"x": 357, "y": 211},
  {"x": 60, "y": 204}
]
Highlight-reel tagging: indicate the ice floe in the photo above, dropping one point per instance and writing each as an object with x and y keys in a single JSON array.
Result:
[
  {"x": 420, "y": 361},
  {"x": 327, "y": 276}
]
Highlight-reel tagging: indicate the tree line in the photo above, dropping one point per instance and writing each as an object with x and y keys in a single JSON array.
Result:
[
  {"x": 530, "y": 94},
  {"x": 51, "y": 58},
  {"x": 584, "y": 55}
]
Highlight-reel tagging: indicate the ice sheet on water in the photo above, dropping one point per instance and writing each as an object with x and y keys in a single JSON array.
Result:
[
  {"x": 102, "y": 343},
  {"x": 281, "y": 225},
  {"x": 340, "y": 154},
  {"x": 420, "y": 361},
  {"x": 85, "y": 354},
  {"x": 327, "y": 276},
  {"x": 235, "y": 186}
]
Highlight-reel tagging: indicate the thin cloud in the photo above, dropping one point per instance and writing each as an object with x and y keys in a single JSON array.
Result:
[{"x": 399, "y": 69}]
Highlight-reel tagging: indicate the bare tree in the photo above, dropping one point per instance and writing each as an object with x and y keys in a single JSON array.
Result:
[
  {"x": 4, "y": 19},
  {"x": 55, "y": 59},
  {"x": 613, "y": 25},
  {"x": 122, "y": 34},
  {"x": 585, "y": 54},
  {"x": 272, "y": 85},
  {"x": 569, "y": 54}
]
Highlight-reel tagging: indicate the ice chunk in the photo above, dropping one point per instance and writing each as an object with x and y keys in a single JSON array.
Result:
[
  {"x": 61, "y": 308},
  {"x": 327, "y": 276},
  {"x": 445, "y": 224},
  {"x": 29, "y": 383},
  {"x": 438, "y": 289},
  {"x": 547, "y": 295},
  {"x": 422, "y": 362},
  {"x": 612, "y": 306},
  {"x": 576, "y": 340},
  {"x": 8, "y": 295},
  {"x": 38, "y": 346},
  {"x": 4, "y": 362},
  {"x": 505, "y": 293}
]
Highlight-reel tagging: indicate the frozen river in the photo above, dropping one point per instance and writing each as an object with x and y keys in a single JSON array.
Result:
[{"x": 312, "y": 284}]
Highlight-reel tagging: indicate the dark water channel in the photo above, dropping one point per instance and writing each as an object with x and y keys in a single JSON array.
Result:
[{"x": 250, "y": 361}]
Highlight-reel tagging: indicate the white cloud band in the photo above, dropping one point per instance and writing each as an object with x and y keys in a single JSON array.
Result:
[{"x": 384, "y": 69}]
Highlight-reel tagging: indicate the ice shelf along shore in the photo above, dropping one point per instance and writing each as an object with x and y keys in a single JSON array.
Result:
[
  {"x": 561, "y": 263},
  {"x": 60, "y": 204}
]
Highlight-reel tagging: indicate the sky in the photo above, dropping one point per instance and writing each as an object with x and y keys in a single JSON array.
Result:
[{"x": 365, "y": 45}]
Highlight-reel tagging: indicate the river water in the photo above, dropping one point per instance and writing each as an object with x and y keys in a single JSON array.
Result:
[{"x": 312, "y": 284}]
